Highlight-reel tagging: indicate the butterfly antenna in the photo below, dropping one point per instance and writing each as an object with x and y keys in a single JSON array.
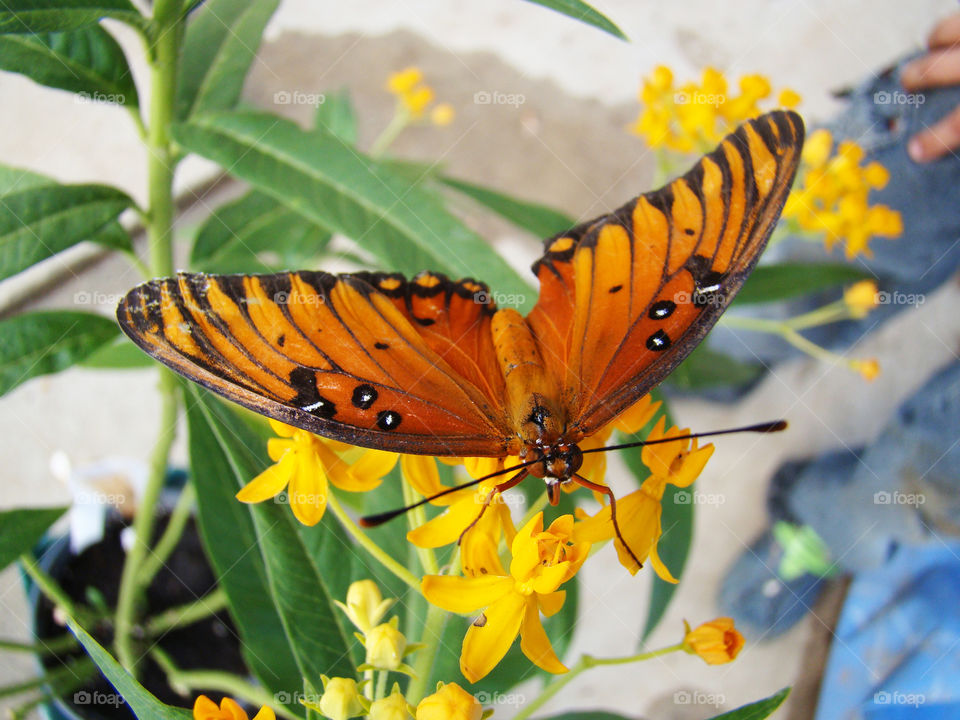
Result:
[
  {"x": 765, "y": 427},
  {"x": 380, "y": 518}
]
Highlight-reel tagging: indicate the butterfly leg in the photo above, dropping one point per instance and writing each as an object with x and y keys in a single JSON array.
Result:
[
  {"x": 502, "y": 487},
  {"x": 596, "y": 487}
]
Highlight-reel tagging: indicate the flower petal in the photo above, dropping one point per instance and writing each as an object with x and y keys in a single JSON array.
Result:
[
  {"x": 551, "y": 603},
  {"x": 308, "y": 489},
  {"x": 465, "y": 595},
  {"x": 550, "y": 577},
  {"x": 484, "y": 646},
  {"x": 535, "y": 643},
  {"x": 446, "y": 527},
  {"x": 270, "y": 482},
  {"x": 371, "y": 468}
]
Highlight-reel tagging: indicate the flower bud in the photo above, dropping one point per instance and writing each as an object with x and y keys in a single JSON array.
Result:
[
  {"x": 861, "y": 298},
  {"x": 450, "y": 702},
  {"x": 365, "y": 605},
  {"x": 717, "y": 641},
  {"x": 392, "y": 707},
  {"x": 341, "y": 699},
  {"x": 385, "y": 647}
]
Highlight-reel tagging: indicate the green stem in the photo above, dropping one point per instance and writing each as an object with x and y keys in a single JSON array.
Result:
[
  {"x": 400, "y": 120},
  {"x": 777, "y": 327},
  {"x": 381, "y": 691},
  {"x": 433, "y": 628},
  {"x": 416, "y": 518},
  {"x": 587, "y": 662},
  {"x": 182, "y": 615},
  {"x": 369, "y": 545},
  {"x": 77, "y": 670},
  {"x": 49, "y": 587},
  {"x": 53, "y": 646},
  {"x": 170, "y": 537},
  {"x": 188, "y": 681}
]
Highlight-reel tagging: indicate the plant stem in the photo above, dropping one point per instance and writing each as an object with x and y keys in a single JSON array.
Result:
[
  {"x": 48, "y": 586},
  {"x": 166, "y": 32},
  {"x": 78, "y": 669},
  {"x": 369, "y": 545},
  {"x": 587, "y": 662},
  {"x": 432, "y": 633},
  {"x": 170, "y": 537},
  {"x": 400, "y": 120},
  {"x": 52, "y": 646},
  {"x": 182, "y": 615},
  {"x": 416, "y": 518}
]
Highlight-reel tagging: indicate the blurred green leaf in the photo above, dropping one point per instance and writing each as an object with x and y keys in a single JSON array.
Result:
[
  {"x": 119, "y": 355},
  {"x": 756, "y": 710},
  {"x": 705, "y": 368},
  {"x": 408, "y": 229},
  {"x": 40, "y": 343},
  {"x": 335, "y": 115},
  {"x": 87, "y": 61},
  {"x": 22, "y": 528},
  {"x": 15, "y": 179},
  {"x": 298, "y": 569},
  {"x": 38, "y": 16},
  {"x": 770, "y": 283},
  {"x": 143, "y": 705},
  {"x": 584, "y": 13},
  {"x": 255, "y": 233},
  {"x": 40, "y": 221},
  {"x": 218, "y": 49},
  {"x": 540, "y": 220}
]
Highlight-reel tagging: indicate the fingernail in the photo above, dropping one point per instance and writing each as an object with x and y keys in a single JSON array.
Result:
[
  {"x": 915, "y": 150},
  {"x": 910, "y": 75}
]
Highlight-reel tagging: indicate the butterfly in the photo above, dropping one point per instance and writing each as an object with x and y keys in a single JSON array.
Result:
[{"x": 429, "y": 366}]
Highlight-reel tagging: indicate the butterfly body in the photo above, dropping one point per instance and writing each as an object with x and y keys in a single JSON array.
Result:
[{"x": 429, "y": 366}]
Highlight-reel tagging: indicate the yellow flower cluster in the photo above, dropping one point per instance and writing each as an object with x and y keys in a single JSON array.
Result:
[
  {"x": 415, "y": 96},
  {"x": 832, "y": 196},
  {"x": 694, "y": 116}
]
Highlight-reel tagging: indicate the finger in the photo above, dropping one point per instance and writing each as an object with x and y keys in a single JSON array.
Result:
[
  {"x": 936, "y": 140},
  {"x": 935, "y": 69},
  {"x": 946, "y": 32}
]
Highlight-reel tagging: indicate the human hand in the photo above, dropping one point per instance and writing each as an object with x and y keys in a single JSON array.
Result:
[{"x": 938, "y": 68}]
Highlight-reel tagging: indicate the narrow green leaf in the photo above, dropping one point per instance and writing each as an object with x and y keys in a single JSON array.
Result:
[
  {"x": 756, "y": 710},
  {"x": 584, "y": 13},
  {"x": 303, "y": 577},
  {"x": 87, "y": 61},
  {"x": 39, "y": 16},
  {"x": 22, "y": 528},
  {"x": 38, "y": 222},
  {"x": 705, "y": 368},
  {"x": 119, "y": 355},
  {"x": 770, "y": 283},
  {"x": 407, "y": 228},
  {"x": 13, "y": 179},
  {"x": 144, "y": 705},
  {"x": 255, "y": 233},
  {"x": 40, "y": 343},
  {"x": 219, "y": 47},
  {"x": 537, "y": 219},
  {"x": 335, "y": 115}
]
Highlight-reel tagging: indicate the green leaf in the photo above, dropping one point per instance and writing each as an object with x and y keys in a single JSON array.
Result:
[
  {"x": 119, "y": 355},
  {"x": 40, "y": 343},
  {"x": 144, "y": 705},
  {"x": 756, "y": 710},
  {"x": 770, "y": 283},
  {"x": 289, "y": 579},
  {"x": 38, "y": 222},
  {"x": 335, "y": 115},
  {"x": 255, "y": 233},
  {"x": 87, "y": 61},
  {"x": 407, "y": 228},
  {"x": 15, "y": 179},
  {"x": 218, "y": 49},
  {"x": 537, "y": 219},
  {"x": 584, "y": 13},
  {"x": 705, "y": 368},
  {"x": 22, "y": 528},
  {"x": 39, "y": 16}
]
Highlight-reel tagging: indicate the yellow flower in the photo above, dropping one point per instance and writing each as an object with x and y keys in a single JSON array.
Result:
[
  {"x": 305, "y": 463},
  {"x": 717, "y": 641},
  {"x": 442, "y": 114},
  {"x": 385, "y": 646},
  {"x": 639, "y": 514},
  {"x": 415, "y": 96},
  {"x": 206, "y": 709},
  {"x": 861, "y": 298},
  {"x": 449, "y": 702},
  {"x": 788, "y": 98},
  {"x": 341, "y": 698},
  {"x": 403, "y": 81},
  {"x": 542, "y": 561},
  {"x": 365, "y": 605},
  {"x": 392, "y": 707},
  {"x": 869, "y": 369}
]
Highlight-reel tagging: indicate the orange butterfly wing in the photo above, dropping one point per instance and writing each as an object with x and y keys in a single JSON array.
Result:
[
  {"x": 625, "y": 298},
  {"x": 369, "y": 358}
]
